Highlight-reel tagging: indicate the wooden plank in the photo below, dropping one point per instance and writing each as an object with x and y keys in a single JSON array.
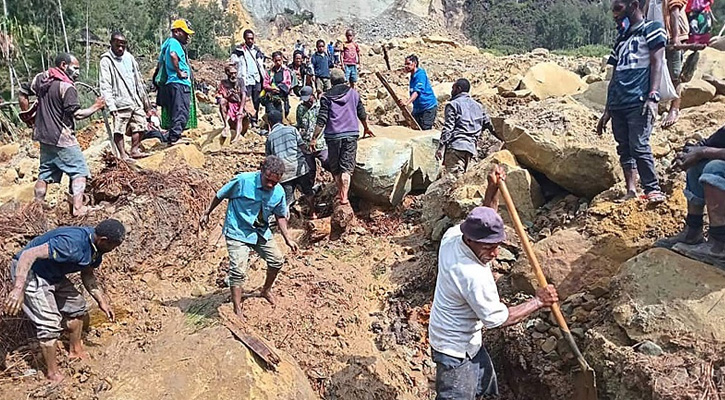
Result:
[
  {"x": 253, "y": 343},
  {"x": 410, "y": 121}
]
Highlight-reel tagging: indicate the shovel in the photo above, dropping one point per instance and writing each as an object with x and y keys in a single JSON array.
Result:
[{"x": 585, "y": 384}]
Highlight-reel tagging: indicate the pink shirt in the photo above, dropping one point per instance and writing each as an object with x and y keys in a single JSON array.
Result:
[{"x": 350, "y": 53}]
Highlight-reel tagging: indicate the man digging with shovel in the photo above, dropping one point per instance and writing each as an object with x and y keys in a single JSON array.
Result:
[{"x": 466, "y": 300}]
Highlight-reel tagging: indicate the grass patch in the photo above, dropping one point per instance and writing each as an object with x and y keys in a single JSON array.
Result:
[{"x": 201, "y": 314}]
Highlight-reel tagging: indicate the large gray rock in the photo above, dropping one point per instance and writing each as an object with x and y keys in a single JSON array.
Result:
[
  {"x": 449, "y": 200},
  {"x": 393, "y": 163},
  {"x": 696, "y": 93}
]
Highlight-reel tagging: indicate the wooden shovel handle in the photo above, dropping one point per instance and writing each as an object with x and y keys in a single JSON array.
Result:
[{"x": 529, "y": 250}]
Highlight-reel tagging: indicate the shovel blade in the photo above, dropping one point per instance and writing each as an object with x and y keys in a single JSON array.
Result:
[{"x": 585, "y": 385}]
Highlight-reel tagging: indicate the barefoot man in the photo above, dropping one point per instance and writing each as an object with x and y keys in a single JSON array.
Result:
[
  {"x": 44, "y": 292},
  {"x": 253, "y": 198}
]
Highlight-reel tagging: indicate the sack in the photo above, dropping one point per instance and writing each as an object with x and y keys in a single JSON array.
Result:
[
  {"x": 654, "y": 11},
  {"x": 667, "y": 89}
]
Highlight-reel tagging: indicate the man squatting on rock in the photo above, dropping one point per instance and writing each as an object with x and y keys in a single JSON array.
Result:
[
  {"x": 466, "y": 300},
  {"x": 46, "y": 295},
  {"x": 705, "y": 166},
  {"x": 253, "y": 198}
]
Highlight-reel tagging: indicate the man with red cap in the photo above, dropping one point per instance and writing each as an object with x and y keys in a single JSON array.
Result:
[{"x": 466, "y": 300}]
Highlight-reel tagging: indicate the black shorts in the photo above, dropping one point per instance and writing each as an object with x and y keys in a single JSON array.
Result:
[
  {"x": 426, "y": 118},
  {"x": 341, "y": 155},
  {"x": 305, "y": 182}
]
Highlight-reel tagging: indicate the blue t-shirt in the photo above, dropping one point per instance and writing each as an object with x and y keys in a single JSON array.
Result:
[
  {"x": 70, "y": 249},
  {"x": 630, "y": 57},
  {"x": 420, "y": 84},
  {"x": 321, "y": 63},
  {"x": 169, "y": 46},
  {"x": 250, "y": 207}
]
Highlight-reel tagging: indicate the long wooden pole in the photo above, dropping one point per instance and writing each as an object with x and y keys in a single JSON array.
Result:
[
  {"x": 412, "y": 123},
  {"x": 589, "y": 389}
]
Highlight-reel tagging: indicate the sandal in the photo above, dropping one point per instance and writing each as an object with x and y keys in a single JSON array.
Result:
[{"x": 655, "y": 197}]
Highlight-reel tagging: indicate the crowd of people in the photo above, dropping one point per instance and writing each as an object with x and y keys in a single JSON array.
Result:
[{"x": 328, "y": 127}]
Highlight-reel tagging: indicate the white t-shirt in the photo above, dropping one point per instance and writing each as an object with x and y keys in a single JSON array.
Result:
[{"x": 466, "y": 299}]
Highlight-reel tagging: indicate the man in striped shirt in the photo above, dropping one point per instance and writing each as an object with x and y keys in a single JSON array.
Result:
[
  {"x": 286, "y": 143},
  {"x": 633, "y": 95}
]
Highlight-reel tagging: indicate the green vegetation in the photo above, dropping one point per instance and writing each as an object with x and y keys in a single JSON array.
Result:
[
  {"x": 513, "y": 26},
  {"x": 37, "y": 32}
]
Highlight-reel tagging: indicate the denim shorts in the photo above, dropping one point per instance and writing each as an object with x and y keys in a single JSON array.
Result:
[
  {"x": 351, "y": 73},
  {"x": 464, "y": 378},
  {"x": 710, "y": 172},
  {"x": 56, "y": 161}
]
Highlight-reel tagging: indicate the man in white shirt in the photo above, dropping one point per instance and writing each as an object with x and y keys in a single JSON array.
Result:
[
  {"x": 466, "y": 300},
  {"x": 122, "y": 86},
  {"x": 249, "y": 60}
]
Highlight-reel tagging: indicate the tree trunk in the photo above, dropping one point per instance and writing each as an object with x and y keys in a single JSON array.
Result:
[
  {"x": 88, "y": 38},
  {"x": 62, "y": 23},
  {"x": 6, "y": 50}
]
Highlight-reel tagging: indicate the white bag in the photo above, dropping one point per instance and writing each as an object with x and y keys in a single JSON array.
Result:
[{"x": 667, "y": 89}]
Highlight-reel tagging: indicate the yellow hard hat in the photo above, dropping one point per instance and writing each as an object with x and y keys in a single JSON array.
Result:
[{"x": 182, "y": 24}]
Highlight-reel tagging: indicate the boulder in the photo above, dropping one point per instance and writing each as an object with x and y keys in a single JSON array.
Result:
[
  {"x": 592, "y": 78},
  {"x": 22, "y": 193},
  {"x": 510, "y": 84},
  {"x": 696, "y": 93},
  {"x": 443, "y": 91},
  {"x": 659, "y": 295},
  {"x": 437, "y": 39},
  {"x": 470, "y": 188},
  {"x": 8, "y": 177},
  {"x": 173, "y": 158},
  {"x": 577, "y": 165},
  {"x": 548, "y": 79},
  {"x": 540, "y": 52},
  {"x": 8, "y": 151},
  {"x": 447, "y": 200},
  {"x": 27, "y": 168},
  {"x": 573, "y": 262},
  {"x": 711, "y": 62},
  {"x": 595, "y": 97},
  {"x": 393, "y": 163},
  {"x": 228, "y": 370},
  {"x": 472, "y": 49}
]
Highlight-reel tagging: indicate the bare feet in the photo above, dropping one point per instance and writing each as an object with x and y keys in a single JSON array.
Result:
[
  {"x": 77, "y": 354},
  {"x": 225, "y": 132},
  {"x": 672, "y": 117},
  {"x": 139, "y": 154},
  {"x": 56, "y": 377},
  {"x": 266, "y": 294},
  {"x": 238, "y": 312}
]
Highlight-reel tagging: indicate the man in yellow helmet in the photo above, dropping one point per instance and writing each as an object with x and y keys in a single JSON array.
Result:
[{"x": 174, "y": 78}]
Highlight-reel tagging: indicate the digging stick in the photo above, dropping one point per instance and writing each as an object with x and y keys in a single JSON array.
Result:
[
  {"x": 406, "y": 114},
  {"x": 586, "y": 385}
]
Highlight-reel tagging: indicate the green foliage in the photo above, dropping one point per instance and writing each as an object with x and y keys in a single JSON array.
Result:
[
  {"x": 514, "y": 26},
  {"x": 38, "y": 35},
  {"x": 209, "y": 22}
]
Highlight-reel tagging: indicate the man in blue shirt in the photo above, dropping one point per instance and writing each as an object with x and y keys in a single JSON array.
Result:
[
  {"x": 253, "y": 198},
  {"x": 45, "y": 294},
  {"x": 425, "y": 103},
  {"x": 321, "y": 65},
  {"x": 177, "y": 87},
  {"x": 633, "y": 95}
]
